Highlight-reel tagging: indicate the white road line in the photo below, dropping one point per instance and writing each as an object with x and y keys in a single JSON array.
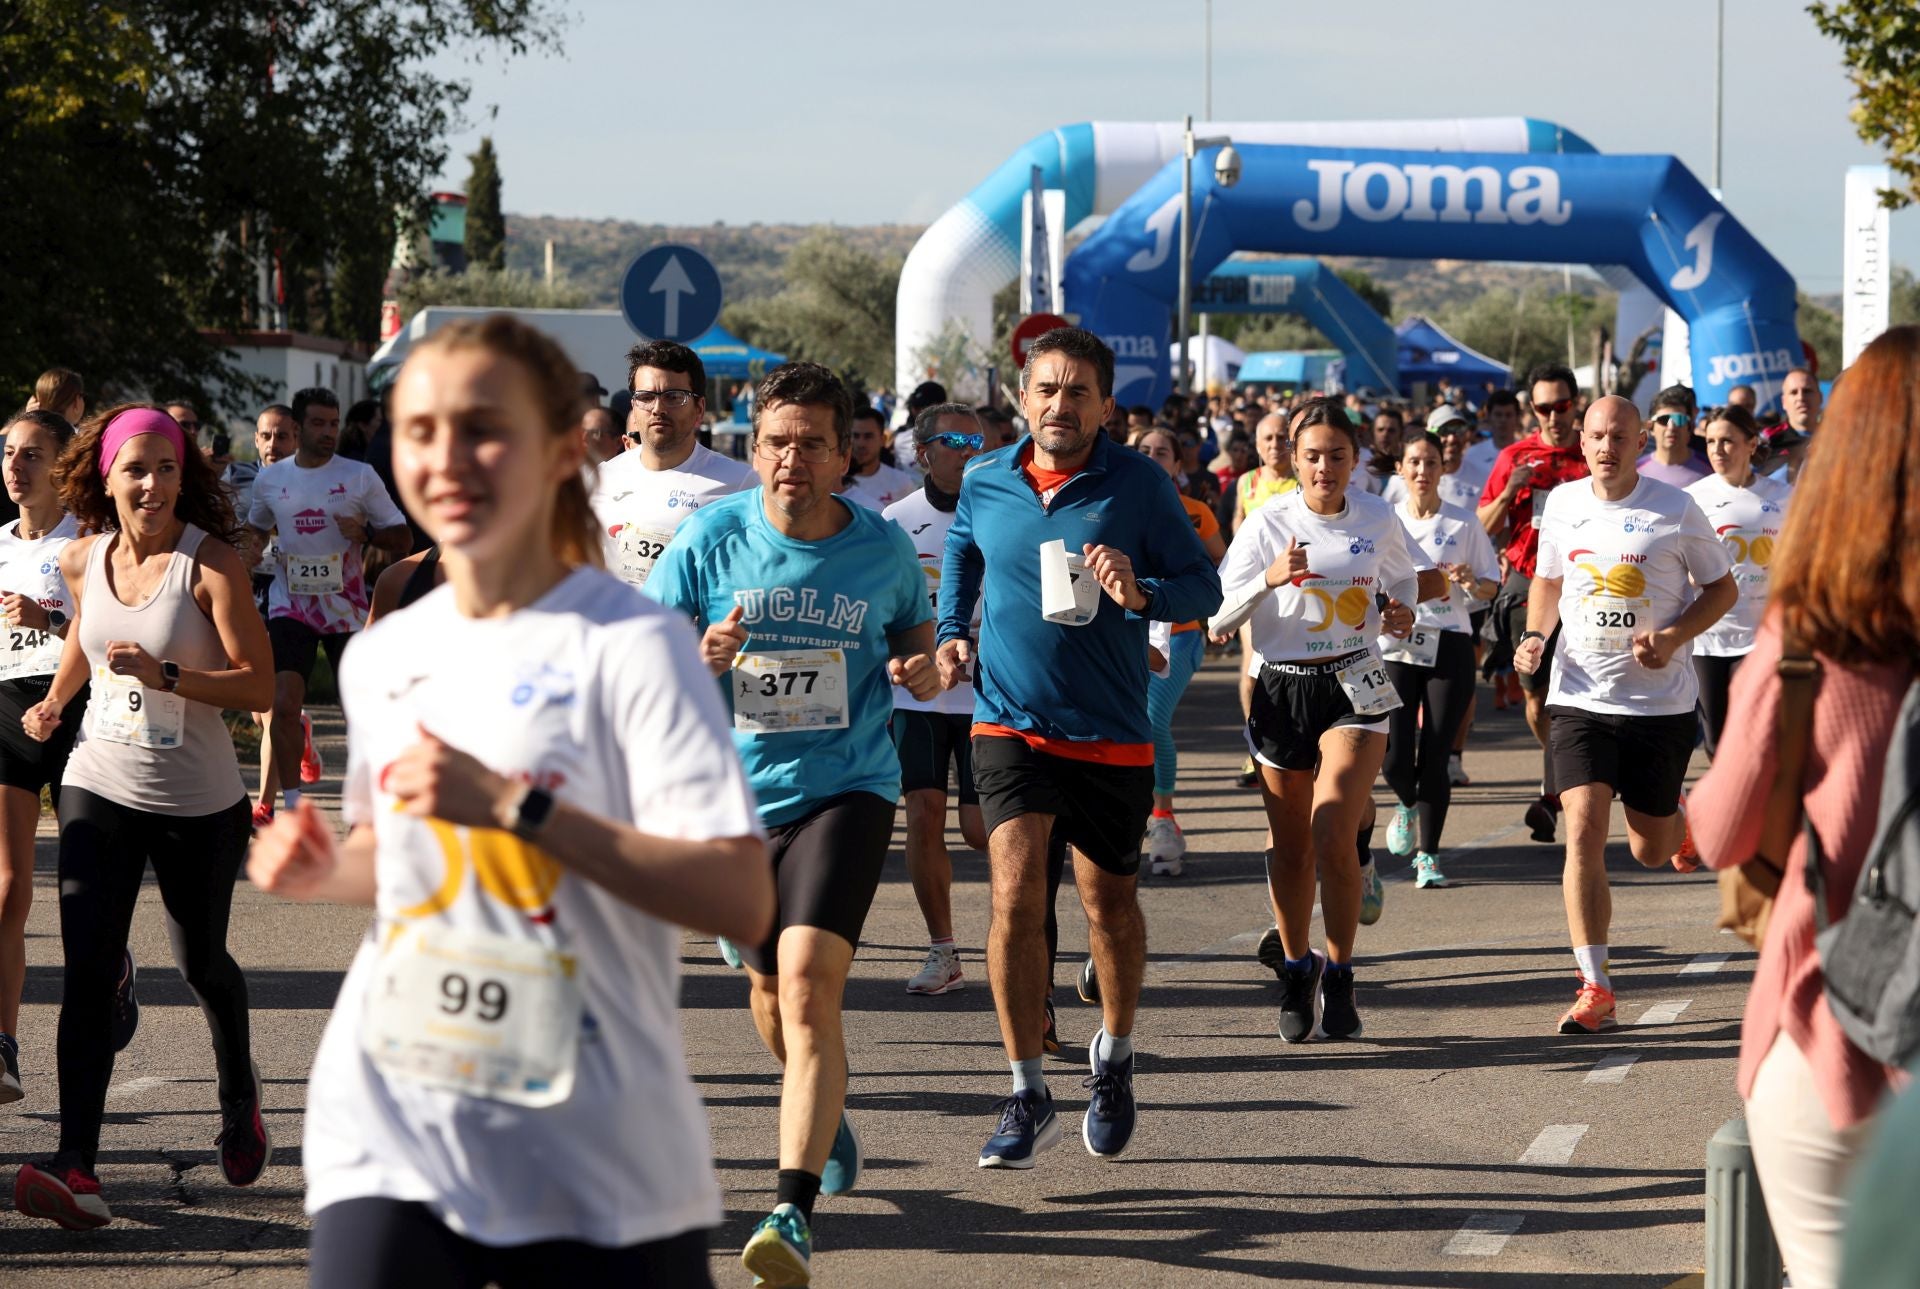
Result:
[
  {"x": 1706, "y": 962},
  {"x": 1484, "y": 1235},
  {"x": 1663, "y": 1013},
  {"x": 133, "y": 1087},
  {"x": 1612, "y": 1068},
  {"x": 1555, "y": 1144}
]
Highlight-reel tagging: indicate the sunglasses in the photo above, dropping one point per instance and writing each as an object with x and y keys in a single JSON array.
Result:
[
  {"x": 1678, "y": 420},
  {"x": 1563, "y": 405},
  {"x": 959, "y": 442}
]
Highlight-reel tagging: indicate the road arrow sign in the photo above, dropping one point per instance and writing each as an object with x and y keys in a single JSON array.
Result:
[{"x": 670, "y": 292}]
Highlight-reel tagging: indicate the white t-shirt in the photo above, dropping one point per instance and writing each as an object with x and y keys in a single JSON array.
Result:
[
  {"x": 639, "y": 509},
  {"x": 1461, "y": 488},
  {"x": 926, "y": 527},
  {"x": 1747, "y": 521},
  {"x": 302, "y": 505},
  {"x": 600, "y": 696},
  {"x": 880, "y": 489},
  {"x": 1351, "y": 556},
  {"x": 32, "y": 569},
  {"x": 1453, "y": 536},
  {"x": 1479, "y": 458},
  {"x": 1626, "y": 566}
]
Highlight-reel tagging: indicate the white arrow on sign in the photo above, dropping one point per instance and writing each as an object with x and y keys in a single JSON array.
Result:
[{"x": 673, "y": 283}]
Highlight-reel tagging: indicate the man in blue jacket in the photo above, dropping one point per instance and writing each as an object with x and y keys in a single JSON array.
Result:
[{"x": 1061, "y": 739}]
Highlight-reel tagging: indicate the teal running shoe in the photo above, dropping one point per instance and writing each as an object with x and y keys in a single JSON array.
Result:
[
  {"x": 1400, "y": 831},
  {"x": 1426, "y": 871},
  {"x": 780, "y": 1254},
  {"x": 843, "y": 1165},
  {"x": 728, "y": 954},
  {"x": 1373, "y": 896}
]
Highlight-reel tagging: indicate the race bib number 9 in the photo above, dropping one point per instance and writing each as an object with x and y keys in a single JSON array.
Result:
[
  {"x": 316, "y": 574},
  {"x": 640, "y": 549},
  {"x": 790, "y": 693},
  {"x": 1605, "y": 624},
  {"x": 1368, "y": 688},
  {"x": 125, "y": 711},
  {"x": 476, "y": 1013}
]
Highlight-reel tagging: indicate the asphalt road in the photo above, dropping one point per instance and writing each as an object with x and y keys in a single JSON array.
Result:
[{"x": 1460, "y": 1141}]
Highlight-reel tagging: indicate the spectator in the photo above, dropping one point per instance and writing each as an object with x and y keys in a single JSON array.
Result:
[
  {"x": 1846, "y": 586},
  {"x": 183, "y": 412}
]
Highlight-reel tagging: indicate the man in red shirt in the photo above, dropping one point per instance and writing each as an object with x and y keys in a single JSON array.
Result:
[{"x": 1516, "y": 492}]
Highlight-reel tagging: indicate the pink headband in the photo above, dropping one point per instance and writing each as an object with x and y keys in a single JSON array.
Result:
[{"x": 133, "y": 423}]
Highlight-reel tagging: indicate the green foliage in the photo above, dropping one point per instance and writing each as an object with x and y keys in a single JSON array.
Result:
[
  {"x": 1904, "y": 308},
  {"x": 1259, "y": 332},
  {"x": 836, "y": 308},
  {"x": 486, "y": 240},
  {"x": 1820, "y": 328},
  {"x": 1880, "y": 41},
  {"x": 488, "y": 289},
  {"x": 156, "y": 152},
  {"x": 1525, "y": 328},
  {"x": 1367, "y": 289}
]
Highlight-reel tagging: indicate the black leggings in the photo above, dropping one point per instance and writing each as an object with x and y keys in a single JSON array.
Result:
[
  {"x": 1416, "y": 765},
  {"x": 379, "y": 1243},
  {"x": 104, "y": 851},
  {"x": 1716, "y": 678}
]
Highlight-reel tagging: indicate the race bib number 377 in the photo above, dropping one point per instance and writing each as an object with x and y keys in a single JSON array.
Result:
[{"x": 790, "y": 693}]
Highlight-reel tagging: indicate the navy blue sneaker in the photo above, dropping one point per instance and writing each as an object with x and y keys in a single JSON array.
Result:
[
  {"x": 1108, "y": 1126},
  {"x": 1028, "y": 1126},
  {"x": 126, "y": 1004}
]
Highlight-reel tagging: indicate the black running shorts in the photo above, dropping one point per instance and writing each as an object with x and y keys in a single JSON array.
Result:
[
  {"x": 929, "y": 742},
  {"x": 826, "y": 867},
  {"x": 1294, "y": 703},
  {"x": 295, "y": 645},
  {"x": 1100, "y": 810},
  {"x": 24, "y": 762},
  {"x": 1642, "y": 758}
]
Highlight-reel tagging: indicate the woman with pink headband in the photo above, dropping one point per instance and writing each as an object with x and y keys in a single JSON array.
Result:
[{"x": 165, "y": 635}]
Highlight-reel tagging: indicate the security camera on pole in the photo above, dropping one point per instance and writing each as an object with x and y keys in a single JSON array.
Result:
[{"x": 1226, "y": 173}]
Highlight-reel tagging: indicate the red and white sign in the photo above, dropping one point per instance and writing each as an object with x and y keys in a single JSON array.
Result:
[{"x": 1034, "y": 326}]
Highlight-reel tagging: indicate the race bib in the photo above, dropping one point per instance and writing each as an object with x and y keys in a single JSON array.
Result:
[
  {"x": 125, "y": 711},
  {"x": 476, "y": 1013},
  {"x": 1604, "y": 624},
  {"x": 1419, "y": 649},
  {"x": 790, "y": 693},
  {"x": 639, "y": 549},
  {"x": 316, "y": 574},
  {"x": 1368, "y": 688},
  {"x": 1540, "y": 504},
  {"x": 26, "y": 652}
]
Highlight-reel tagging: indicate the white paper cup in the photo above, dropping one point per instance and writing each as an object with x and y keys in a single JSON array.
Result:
[{"x": 1069, "y": 594}]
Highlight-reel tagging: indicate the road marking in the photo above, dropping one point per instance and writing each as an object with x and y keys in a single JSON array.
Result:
[
  {"x": 1484, "y": 1235},
  {"x": 1706, "y": 962},
  {"x": 133, "y": 1087},
  {"x": 1663, "y": 1013},
  {"x": 1612, "y": 1068},
  {"x": 1555, "y": 1144}
]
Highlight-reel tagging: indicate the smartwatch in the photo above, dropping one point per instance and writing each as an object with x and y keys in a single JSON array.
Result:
[
  {"x": 169, "y": 676},
  {"x": 1531, "y": 635},
  {"x": 529, "y": 815},
  {"x": 56, "y": 619}
]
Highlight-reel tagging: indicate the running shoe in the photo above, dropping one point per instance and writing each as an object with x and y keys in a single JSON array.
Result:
[
  {"x": 244, "y": 1144},
  {"x": 843, "y": 1164},
  {"x": 1271, "y": 953},
  {"x": 1108, "y": 1125},
  {"x": 1516, "y": 694},
  {"x": 1456, "y": 771},
  {"x": 10, "y": 1087},
  {"x": 62, "y": 1191},
  {"x": 1089, "y": 984},
  {"x": 1592, "y": 1010},
  {"x": 1300, "y": 999},
  {"x": 312, "y": 768},
  {"x": 780, "y": 1254},
  {"x": 1373, "y": 894},
  {"x": 939, "y": 974},
  {"x": 1540, "y": 818},
  {"x": 262, "y": 815},
  {"x": 1166, "y": 847},
  {"x": 1499, "y": 692},
  {"x": 1400, "y": 831},
  {"x": 126, "y": 1004},
  {"x": 728, "y": 954},
  {"x": 1249, "y": 774},
  {"x": 1027, "y": 1126},
  {"x": 1339, "y": 1018},
  {"x": 1050, "y": 1036},
  {"x": 1426, "y": 871},
  {"x": 1687, "y": 858}
]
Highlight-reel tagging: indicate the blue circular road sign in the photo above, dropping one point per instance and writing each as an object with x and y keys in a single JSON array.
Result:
[{"x": 670, "y": 292}]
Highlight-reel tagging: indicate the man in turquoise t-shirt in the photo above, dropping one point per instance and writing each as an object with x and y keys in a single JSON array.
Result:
[{"x": 813, "y": 609}]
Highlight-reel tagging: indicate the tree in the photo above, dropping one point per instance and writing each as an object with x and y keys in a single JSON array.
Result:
[
  {"x": 1880, "y": 40},
  {"x": 489, "y": 288},
  {"x": 160, "y": 154},
  {"x": 836, "y": 309},
  {"x": 1820, "y": 328},
  {"x": 1367, "y": 289},
  {"x": 486, "y": 240}
]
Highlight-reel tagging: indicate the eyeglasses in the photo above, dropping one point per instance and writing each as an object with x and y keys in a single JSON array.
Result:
[
  {"x": 959, "y": 442},
  {"x": 674, "y": 398},
  {"x": 1678, "y": 420},
  {"x": 1564, "y": 405},
  {"x": 815, "y": 453}
]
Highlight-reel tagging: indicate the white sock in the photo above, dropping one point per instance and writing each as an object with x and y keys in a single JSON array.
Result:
[
  {"x": 291, "y": 796},
  {"x": 1593, "y": 964}
]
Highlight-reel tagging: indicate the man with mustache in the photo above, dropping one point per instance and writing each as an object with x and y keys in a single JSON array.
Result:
[{"x": 1062, "y": 744}]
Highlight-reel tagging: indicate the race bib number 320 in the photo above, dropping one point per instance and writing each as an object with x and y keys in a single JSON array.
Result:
[
  {"x": 1605, "y": 624},
  {"x": 790, "y": 693}
]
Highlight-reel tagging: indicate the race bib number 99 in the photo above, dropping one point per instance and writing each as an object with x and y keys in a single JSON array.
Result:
[{"x": 790, "y": 693}]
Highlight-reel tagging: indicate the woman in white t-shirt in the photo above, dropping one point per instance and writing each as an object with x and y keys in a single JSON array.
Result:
[
  {"x": 507, "y": 736},
  {"x": 1747, "y": 511}
]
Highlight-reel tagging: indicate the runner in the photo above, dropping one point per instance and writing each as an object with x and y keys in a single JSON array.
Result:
[
  {"x": 1272, "y": 477},
  {"x": 810, "y": 605},
  {"x": 1619, "y": 554},
  {"x": 1076, "y": 542},
  {"x": 540, "y": 722},
  {"x": 275, "y": 438},
  {"x": 1165, "y": 844},
  {"x": 932, "y": 734},
  {"x": 152, "y": 777},
  {"x": 1800, "y": 401},
  {"x": 38, "y": 607},
  {"x": 1432, "y": 668},
  {"x": 1503, "y": 427},
  {"x": 642, "y": 496},
  {"x": 1510, "y": 508},
  {"x": 322, "y": 508},
  {"x": 870, "y": 481},
  {"x": 1746, "y": 511},
  {"x": 1459, "y": 483},
  {"x": 1673, "y": 459},
  {"x": 1323, "y": 699},
  {"x": 408, "y": 582}
]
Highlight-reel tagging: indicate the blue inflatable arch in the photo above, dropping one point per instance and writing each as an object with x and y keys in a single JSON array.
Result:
[
  {"x": 1647, "y": 213},
  {"x": 1317, "y": 294}
]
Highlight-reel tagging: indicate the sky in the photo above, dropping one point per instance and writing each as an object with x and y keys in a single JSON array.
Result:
[{"x": 855, "y": 112}]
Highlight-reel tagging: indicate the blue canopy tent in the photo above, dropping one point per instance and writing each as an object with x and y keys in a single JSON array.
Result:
[
  {"x": 1428, "y": 354},
  {"x": 727, "y": 357},
  {"x": 1298, "y": 368}
]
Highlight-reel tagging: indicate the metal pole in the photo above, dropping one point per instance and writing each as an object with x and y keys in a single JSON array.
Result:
[
  {"x": 1181, "y": 385},
  {"x": 1719, "y": 80}
]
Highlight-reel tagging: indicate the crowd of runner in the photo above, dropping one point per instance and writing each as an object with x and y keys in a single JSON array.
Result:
[{"x": 618, "y": 683}]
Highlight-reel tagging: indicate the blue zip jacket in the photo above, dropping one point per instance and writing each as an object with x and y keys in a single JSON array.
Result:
[{"x": 1082, "y": 683}]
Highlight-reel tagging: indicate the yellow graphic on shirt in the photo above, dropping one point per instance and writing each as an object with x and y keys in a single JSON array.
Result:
[
  {"x": 1747, "y": 550},
  {"x": 1350, "y": 606},
  {"x": 1624, "y": 581},
  {"x": 518, "y": 874}
]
